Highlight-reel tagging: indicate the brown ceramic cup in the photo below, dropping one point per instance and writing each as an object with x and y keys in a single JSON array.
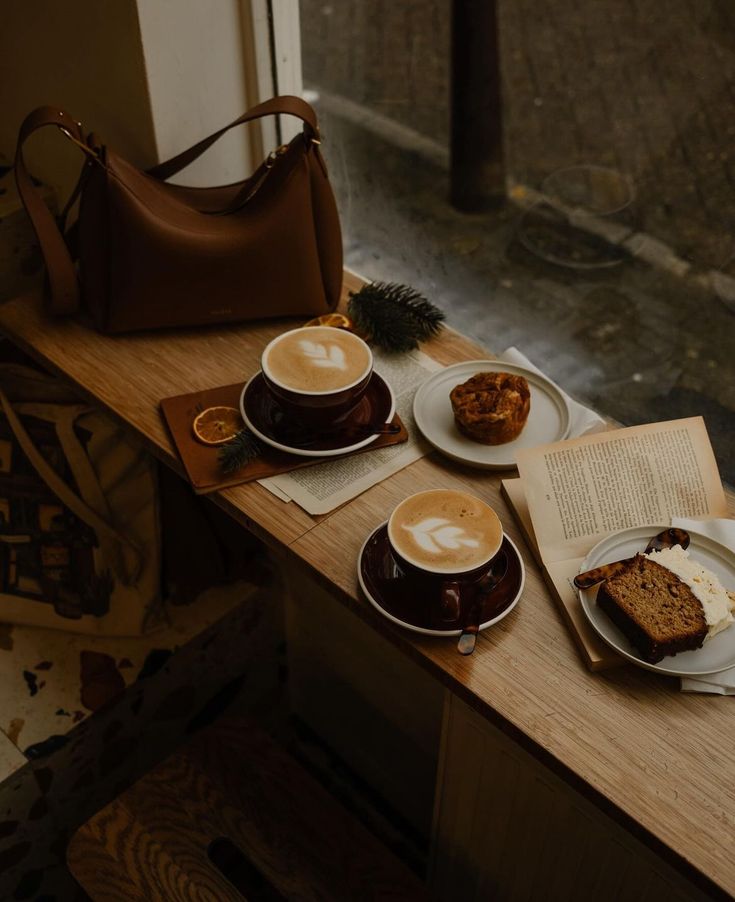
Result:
[
  {"x": 318, "y": 374},
  {"x": 448, "y": 538}
]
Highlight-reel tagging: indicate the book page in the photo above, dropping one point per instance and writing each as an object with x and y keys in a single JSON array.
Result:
[
  {"x": 559, "y": 576},
  {"x": 321, "y": 488},
  {"x": 581, "y": 490},
  {"x": 597, "y": 654},
  {"x": 512, "y": 490}
]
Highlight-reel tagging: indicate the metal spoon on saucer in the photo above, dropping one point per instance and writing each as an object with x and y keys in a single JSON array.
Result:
[{"x": 466, "y": 643}]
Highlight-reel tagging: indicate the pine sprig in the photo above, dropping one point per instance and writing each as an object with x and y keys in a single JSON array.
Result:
[
  {"x": 394, "y": 317},
  {"x": 243, "y": 448}
]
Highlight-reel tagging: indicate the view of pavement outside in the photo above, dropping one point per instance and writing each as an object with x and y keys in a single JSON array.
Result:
[{"x": 643, "y": 328}]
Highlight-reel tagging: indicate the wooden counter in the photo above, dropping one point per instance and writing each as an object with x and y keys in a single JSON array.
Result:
[
  {"x": 627, "y": 738},
  {"x": 657, "y": 760}
]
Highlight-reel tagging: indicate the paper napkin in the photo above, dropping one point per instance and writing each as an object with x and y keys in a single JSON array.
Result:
[
  {"x": 583, "y": 420},
  {"x": 722, "y": 531}
]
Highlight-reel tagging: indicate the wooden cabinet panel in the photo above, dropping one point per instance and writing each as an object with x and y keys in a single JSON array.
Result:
[
  {"x": 507, "y": 828},
  {"x": 373, "y": 706}
]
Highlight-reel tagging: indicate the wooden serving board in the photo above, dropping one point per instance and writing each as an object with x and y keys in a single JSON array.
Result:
[{"x": 201, "y": 461}]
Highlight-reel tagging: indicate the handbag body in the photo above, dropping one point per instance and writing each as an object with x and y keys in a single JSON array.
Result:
[{"x": 156, "y": 255}]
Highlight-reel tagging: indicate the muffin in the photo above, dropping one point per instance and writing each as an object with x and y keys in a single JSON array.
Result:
[{"x": 491, "y": 408}]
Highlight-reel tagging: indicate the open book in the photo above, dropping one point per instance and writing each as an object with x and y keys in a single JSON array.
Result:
[{"x": 572, "y": 494}]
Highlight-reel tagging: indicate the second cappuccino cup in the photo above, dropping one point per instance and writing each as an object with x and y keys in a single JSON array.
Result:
[
  {"x": 318, "y": 374},
  {"x": 447, "y": 536}
]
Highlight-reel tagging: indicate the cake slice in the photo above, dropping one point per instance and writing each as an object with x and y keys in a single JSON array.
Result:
[{"x": 665, "y": 602}]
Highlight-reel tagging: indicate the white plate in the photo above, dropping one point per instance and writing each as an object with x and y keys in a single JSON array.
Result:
[
  {"x": 548, "y": 419},
  {"x": 716, "y": 654}
]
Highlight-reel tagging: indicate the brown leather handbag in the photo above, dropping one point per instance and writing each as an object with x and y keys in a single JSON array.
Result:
[{"x": 153, "y": 254}]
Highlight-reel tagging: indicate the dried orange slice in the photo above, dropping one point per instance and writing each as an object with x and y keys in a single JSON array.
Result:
[
  {"x": 337, "y": 320},
  {"x": 217, "y": 425}
]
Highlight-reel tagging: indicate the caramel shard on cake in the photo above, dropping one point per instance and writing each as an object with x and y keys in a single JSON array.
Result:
[{"x": 491, "y": 408}]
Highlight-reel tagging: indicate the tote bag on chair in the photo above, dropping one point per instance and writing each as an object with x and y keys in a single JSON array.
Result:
[{"x": 79, "y": 526}]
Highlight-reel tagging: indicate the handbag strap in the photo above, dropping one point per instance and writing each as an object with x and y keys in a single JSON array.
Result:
[
  {"x": 70, "y": 498},
  {"x": 63, "y": 283},
  {"x": 64, "y": 293},
  {"x": 286, "y": 104}
]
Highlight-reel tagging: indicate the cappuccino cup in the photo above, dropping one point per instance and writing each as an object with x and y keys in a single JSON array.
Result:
[
  {"x": 448, "y": 537},
  {"x": 318, "y": 374}
]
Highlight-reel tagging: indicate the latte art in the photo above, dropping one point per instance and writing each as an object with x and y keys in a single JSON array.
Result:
[
  {"x": 437, "y": 534},
  {"x": 317, "y": 359},
  {"x": 326, "y": 355},
  {"x": 445, "y": 531}
]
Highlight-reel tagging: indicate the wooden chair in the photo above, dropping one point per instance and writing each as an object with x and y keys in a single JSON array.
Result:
[{"x": 232, "y": 816}]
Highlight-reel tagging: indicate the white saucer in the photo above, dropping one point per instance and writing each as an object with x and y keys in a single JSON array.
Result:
[
  {"x": 716, "y": 654},
  {"x": 548, "y": 420}
]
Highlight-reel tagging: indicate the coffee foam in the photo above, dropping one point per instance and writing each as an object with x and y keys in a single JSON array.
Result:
[
  {"x": 445, "y": 531},
  {"x": 317, "y": 359}
]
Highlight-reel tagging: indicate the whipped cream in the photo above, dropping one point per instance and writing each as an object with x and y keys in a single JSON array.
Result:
[{"x": 718, "y": 605}]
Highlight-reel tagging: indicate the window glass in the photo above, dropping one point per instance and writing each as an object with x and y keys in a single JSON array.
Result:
[{"x": 611, "y": 264}]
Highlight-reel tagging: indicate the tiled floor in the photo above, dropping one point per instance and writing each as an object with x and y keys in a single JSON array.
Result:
[
  {"x": 644, "y": 88},
  {"x": 72, "y": 737}
]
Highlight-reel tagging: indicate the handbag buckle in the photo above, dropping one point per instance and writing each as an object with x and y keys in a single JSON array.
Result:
[
  {"x": 274, "y": 154},
  {"x": 91, "y": 152}
]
